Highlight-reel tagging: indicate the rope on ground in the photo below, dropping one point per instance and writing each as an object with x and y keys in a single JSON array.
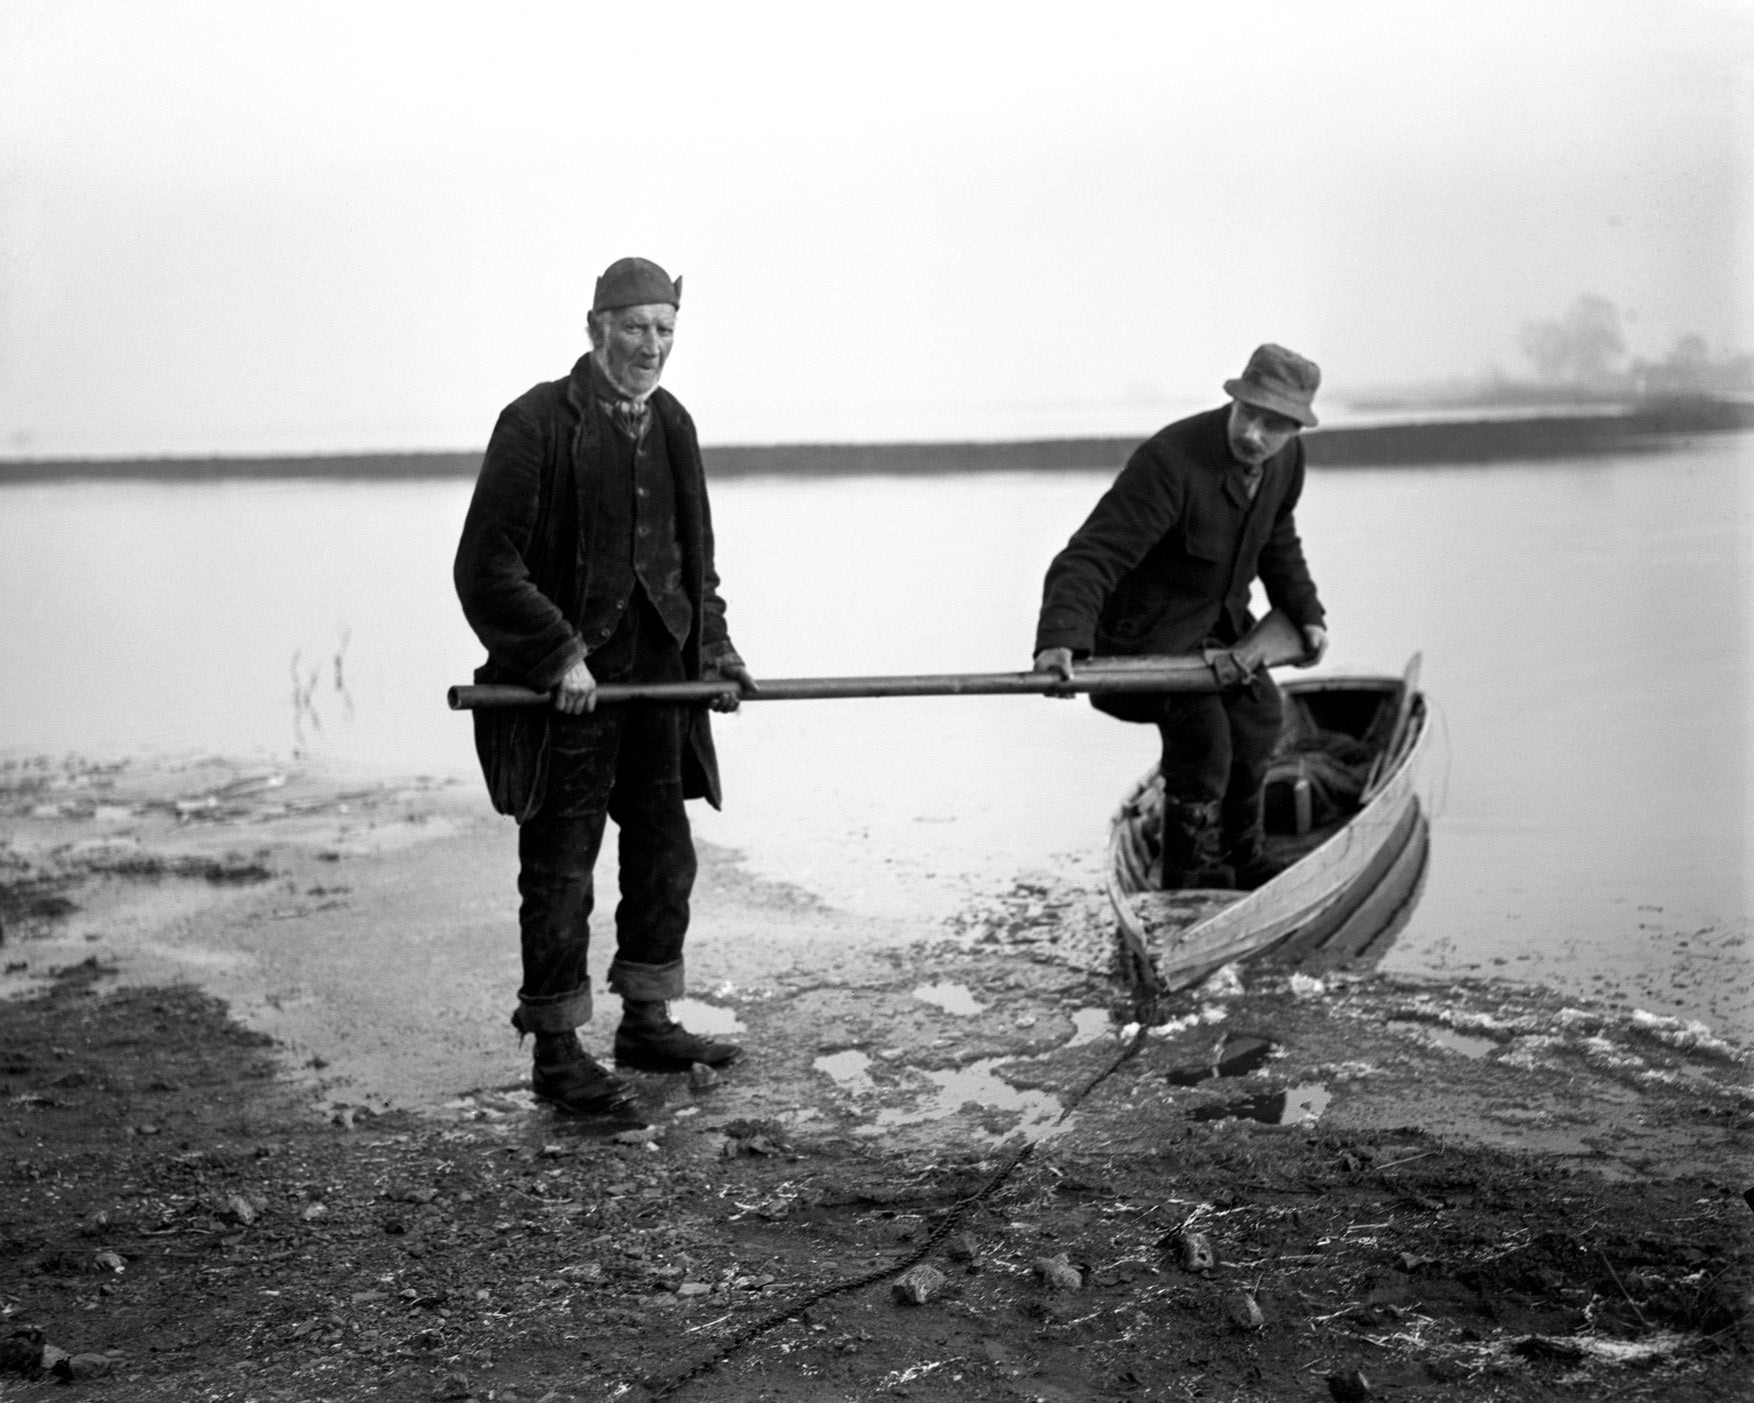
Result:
[{"x": 1144, "y": 1010}]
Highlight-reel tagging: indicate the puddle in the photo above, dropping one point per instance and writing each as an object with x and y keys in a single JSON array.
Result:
[
  {"x": 957, "y": 1086},
  {"x": 1091, "y": 1025},
  {"x": 846, "y": 1070},
  {"x": 1471, "y": 1047},
  {"x": 1294, "y": 1106},
  {"x": 1237, "y": 1056},
  {"x": 709, "y": 1019},
  {"x": 937, "y": 1095},
  {"x": 952, "y": 998}
]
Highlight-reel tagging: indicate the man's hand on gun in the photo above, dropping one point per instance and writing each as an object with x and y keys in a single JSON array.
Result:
[
  {"x": 729, "y": 672},
  {"x": 577, "y": 691},
  {"x": 1057, "y": 661}
]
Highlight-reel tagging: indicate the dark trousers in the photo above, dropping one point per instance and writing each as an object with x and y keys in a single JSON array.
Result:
[
  {"x": 1216, "y": 748},
  {"x": 622, "y": 761}
]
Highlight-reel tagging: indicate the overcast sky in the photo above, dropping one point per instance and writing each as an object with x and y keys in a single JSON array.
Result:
[{"x": 275, "y": 226}]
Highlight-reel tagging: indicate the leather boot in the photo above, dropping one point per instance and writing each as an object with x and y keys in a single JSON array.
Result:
[
  {"x": 570, "y": 1079},
  {"x": 649, "y": 1040},
  {"x": 1245, "y": 845},
  {"x": 1190, "y": 845},
  {"x": 1255, "y": 872}
]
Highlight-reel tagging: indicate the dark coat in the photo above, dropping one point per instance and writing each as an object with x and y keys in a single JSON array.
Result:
[
  {"x": 523, "y": 568},
  {"x": 1165, "y": 560}
]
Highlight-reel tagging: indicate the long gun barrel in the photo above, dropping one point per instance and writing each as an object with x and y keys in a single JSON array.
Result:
[{"x": 1272, "y": 642}]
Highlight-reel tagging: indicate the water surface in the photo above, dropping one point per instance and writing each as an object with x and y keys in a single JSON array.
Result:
[{"x": 1586, "y": 629}]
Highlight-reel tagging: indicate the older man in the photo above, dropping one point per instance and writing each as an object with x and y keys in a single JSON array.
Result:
[
  {"x": 1164, "y": 565},
  {"x": 586, "y": 557}
]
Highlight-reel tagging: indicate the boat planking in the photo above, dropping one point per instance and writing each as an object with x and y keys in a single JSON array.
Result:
[{"x": 1351, "y": 883}]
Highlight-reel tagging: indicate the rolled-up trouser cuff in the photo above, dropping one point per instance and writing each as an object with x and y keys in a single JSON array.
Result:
[
  {"x": 557, "y": 1013},
  {"x": 646, "y": 983}
]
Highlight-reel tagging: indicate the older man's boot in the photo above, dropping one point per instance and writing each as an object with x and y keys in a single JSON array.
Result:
[
  {"x": 649, "y": 1040},
  {"x": 570, "y": 1079},
  {"x": 1190, "y": 845}
]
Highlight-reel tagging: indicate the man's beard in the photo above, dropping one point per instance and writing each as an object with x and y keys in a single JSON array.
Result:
[{"x": 623, "y": 384}]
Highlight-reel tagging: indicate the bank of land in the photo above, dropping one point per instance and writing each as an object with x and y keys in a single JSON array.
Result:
[
  {"x": 1465, "y": 435},
  {"x": 267, "y": 1138}
]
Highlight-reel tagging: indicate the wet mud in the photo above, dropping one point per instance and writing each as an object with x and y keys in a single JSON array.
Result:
[{"x": 269, "y": 1137}]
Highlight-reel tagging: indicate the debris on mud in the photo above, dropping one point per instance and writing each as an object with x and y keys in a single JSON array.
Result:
[
  {"x": 917, "y": 1285},
  {"x": 249, "y": 1248},
  {"x": 1450, "y": 1190}
]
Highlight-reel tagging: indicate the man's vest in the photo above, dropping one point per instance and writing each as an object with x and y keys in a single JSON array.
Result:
[{"x": 633, "y": 540}]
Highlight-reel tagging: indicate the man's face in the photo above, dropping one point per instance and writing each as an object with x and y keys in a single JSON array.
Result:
[
  {"x": 633, "y": 343},
  {"x": 1256, "y": 434}
]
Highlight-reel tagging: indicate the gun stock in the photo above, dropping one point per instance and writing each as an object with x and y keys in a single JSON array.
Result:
[{"x": 1273, "y": 642}]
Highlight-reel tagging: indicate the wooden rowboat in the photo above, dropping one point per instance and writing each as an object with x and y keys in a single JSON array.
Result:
[{"x": 1341, "y": 807}]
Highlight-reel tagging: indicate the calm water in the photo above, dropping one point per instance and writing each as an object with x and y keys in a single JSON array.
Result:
[{"x": 1587, "y": 631}]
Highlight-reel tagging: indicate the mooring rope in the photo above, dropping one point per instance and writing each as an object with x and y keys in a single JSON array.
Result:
[{"x": 1145, "y": 1010}]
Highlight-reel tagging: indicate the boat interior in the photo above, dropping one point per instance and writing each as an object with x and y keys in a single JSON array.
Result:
[
  {"x": 1337, "y": 740},
  {"x": 1338, "y": 736}
]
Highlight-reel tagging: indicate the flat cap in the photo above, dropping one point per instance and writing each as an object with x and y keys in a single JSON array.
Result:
[{"x": 634, "y": 282}]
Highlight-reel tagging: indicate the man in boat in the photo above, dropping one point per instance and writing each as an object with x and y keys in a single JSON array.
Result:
[
  {"x": 1164, "y": 565},
  {"x": 586, "y": 557}
]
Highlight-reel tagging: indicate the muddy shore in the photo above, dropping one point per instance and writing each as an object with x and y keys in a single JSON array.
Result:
[{"x": 267, "y": 1137}]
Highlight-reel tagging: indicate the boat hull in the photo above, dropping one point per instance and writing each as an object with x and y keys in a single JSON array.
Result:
[{"x": 1332, "y": 906}]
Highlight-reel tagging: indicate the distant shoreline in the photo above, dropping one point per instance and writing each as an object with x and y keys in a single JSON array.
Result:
[{"x": 1415, "y": 443}]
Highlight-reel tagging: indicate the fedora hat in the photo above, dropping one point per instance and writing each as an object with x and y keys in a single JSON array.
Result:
[{"x": 1279, "y": 380}]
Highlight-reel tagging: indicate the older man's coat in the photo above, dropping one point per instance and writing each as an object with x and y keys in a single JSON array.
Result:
[{"x": 523, "y": 570}]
